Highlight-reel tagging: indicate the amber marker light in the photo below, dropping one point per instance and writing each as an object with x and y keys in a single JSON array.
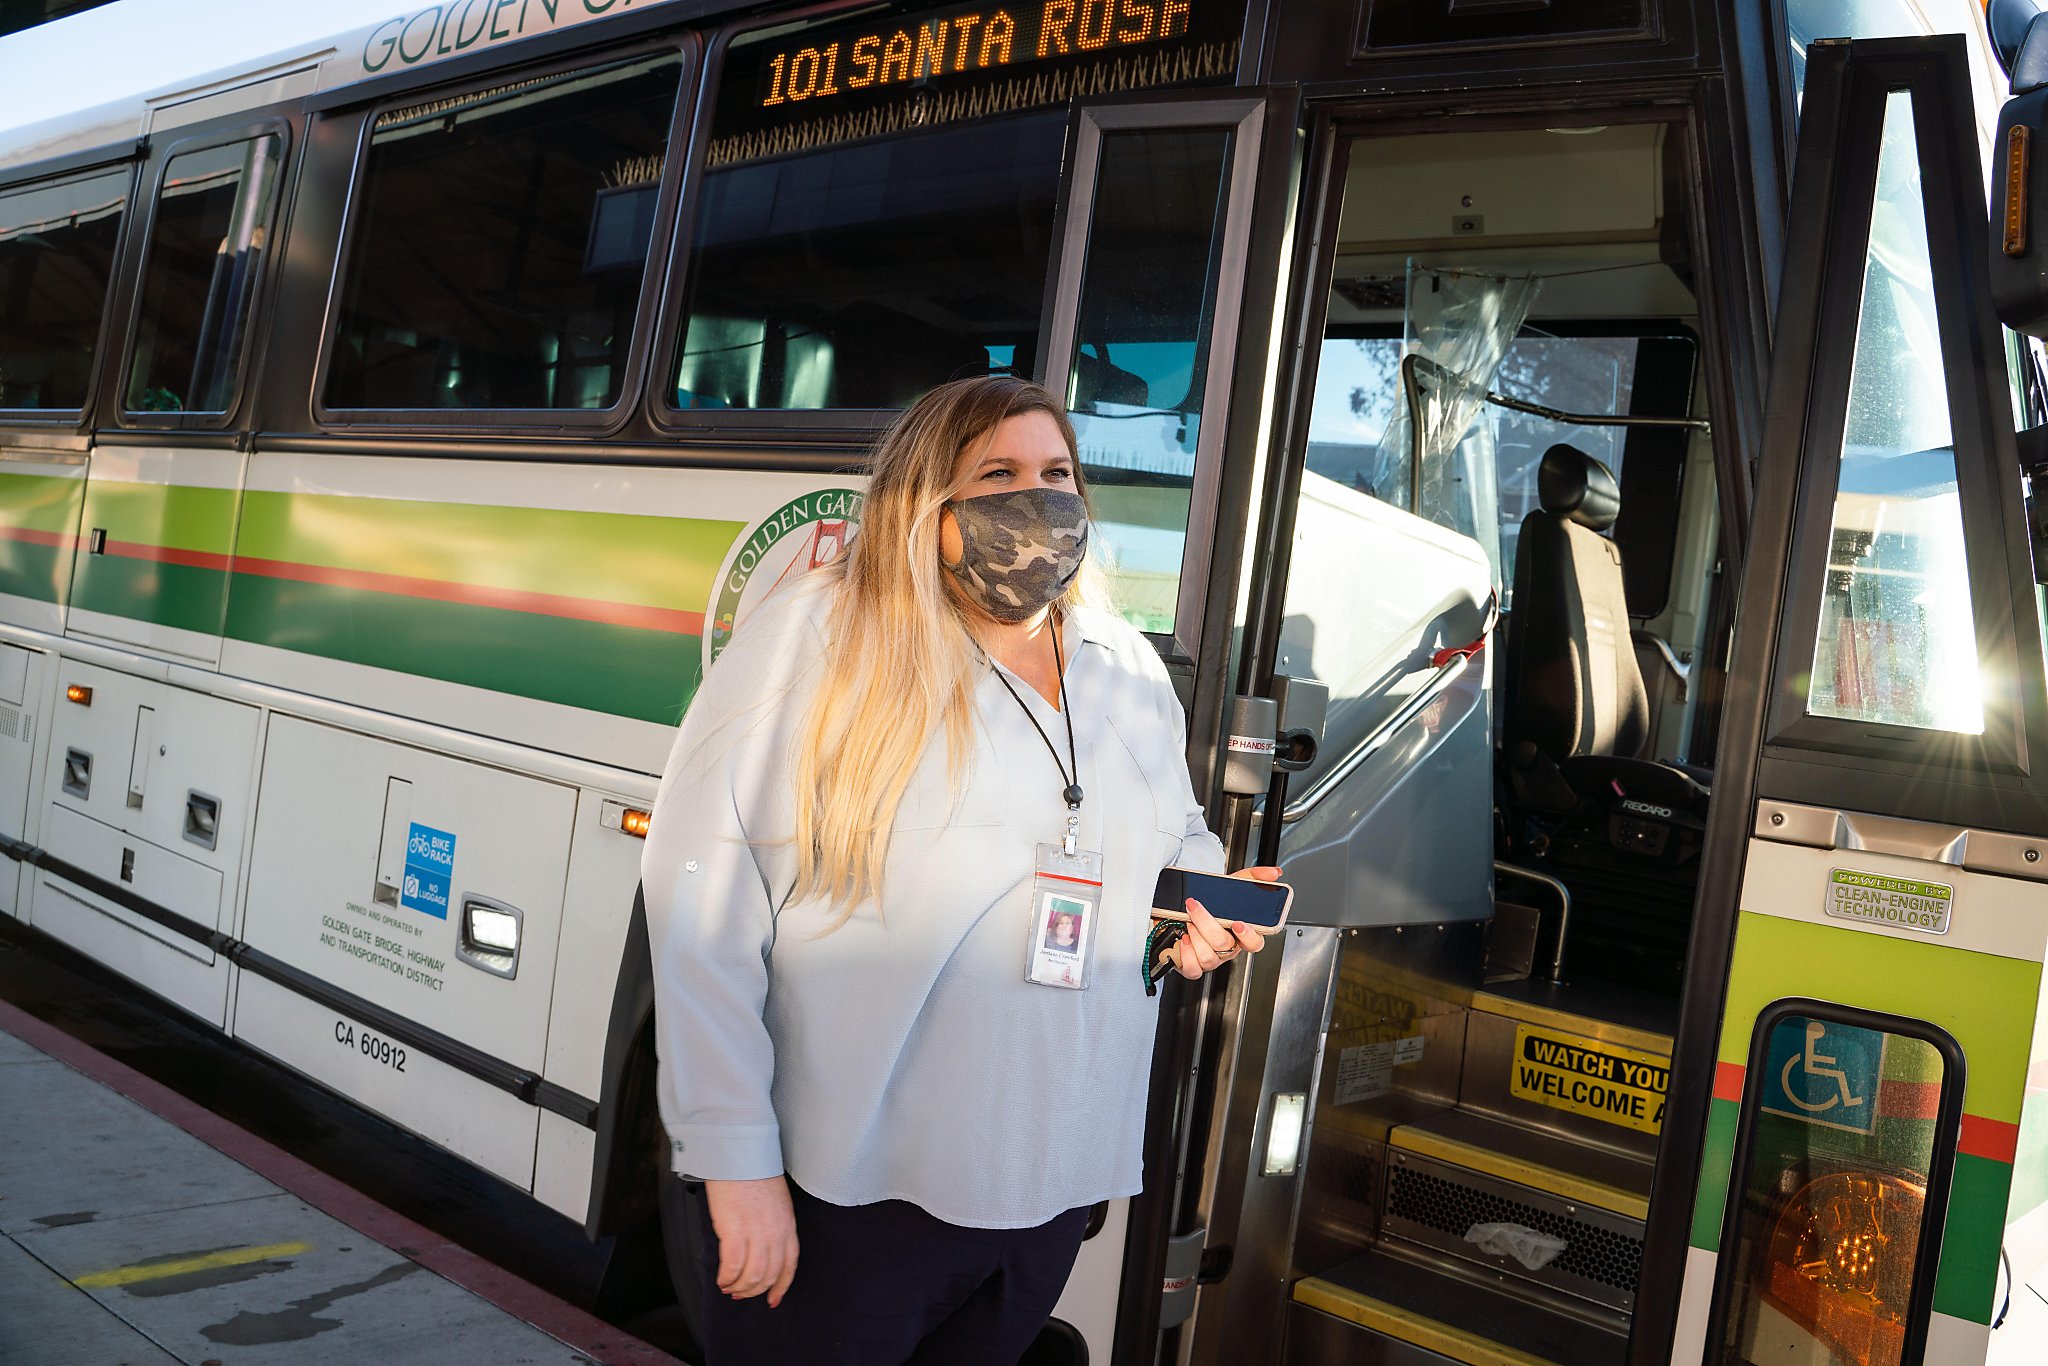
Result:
[
  {"x": 1841, "y": 1262},
  {"x": 78, "y": 693},
  {"x": 634, "y": 822}
]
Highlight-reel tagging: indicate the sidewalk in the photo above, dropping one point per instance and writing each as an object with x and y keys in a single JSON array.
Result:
[{"x": 130, "y": 1237}]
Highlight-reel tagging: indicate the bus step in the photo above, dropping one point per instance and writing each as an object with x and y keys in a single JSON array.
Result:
[
  {"x": 1437, "y": 1205},
  {"x": 1393, "y": 1304},
  {"x": 1567, "y": 1169}
]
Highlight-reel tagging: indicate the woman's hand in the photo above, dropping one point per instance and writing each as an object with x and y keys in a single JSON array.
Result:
[
  {"x": 1209, "y": 942},
  {"x": 756, "y": 1228}
]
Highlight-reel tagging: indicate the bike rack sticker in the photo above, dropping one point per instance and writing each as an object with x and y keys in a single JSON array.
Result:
[
  {"x": 1897, "y": 902},
  {"x": 1602, "y": 1081},
  {"x": 429, "y": 868},
  {"x": 1824, "y": 1073}
]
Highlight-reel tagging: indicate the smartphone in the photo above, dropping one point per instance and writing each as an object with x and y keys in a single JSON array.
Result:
[{"x": 1261, "y": 905}]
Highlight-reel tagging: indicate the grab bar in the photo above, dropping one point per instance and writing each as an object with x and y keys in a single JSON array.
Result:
[
  {"x": 1564, "y": 913},
  {"x": 1376, "y": 739}
]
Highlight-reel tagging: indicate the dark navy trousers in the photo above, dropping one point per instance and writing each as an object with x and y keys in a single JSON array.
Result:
[{"x": 889, "y": 1285}]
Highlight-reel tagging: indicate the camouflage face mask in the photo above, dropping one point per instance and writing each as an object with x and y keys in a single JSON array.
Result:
[{"x": 1019, "y": 549}]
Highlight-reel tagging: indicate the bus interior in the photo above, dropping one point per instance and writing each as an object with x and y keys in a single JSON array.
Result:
[{"x": 1504, "y": 841}]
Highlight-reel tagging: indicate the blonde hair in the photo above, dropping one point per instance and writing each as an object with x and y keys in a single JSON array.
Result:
[{"x": 905, "y": 651}]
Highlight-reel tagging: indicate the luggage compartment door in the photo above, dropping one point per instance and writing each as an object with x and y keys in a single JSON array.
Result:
[{"x": 401, "y": 927}]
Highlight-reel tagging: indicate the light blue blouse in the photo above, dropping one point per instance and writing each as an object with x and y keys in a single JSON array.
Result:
[{"x": 903, "y": 1055}]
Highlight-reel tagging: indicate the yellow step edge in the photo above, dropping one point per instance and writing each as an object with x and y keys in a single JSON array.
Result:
[
  {"x": 1549, "y": 1018},
  {"x": 1409, "y": 1327},
  {"x": 1565, "y": 1185}
]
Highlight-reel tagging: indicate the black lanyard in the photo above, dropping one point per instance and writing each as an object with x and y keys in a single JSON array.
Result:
[{"x": 1072, "y": 792}]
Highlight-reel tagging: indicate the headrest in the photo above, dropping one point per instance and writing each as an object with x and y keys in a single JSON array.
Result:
[{"x": 1574, "y": 485}]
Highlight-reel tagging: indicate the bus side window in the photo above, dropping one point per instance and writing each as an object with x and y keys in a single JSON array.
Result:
[
  {"x": 496, "y": 257},
  {"x": 859, "y": 275},
  {"x": 207, "y": 245},
  {"x": 57, "y": 244}
]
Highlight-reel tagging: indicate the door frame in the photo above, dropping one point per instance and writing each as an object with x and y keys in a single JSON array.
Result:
[
  {"x": 1730, "y": 288},
  {"x": 1804, "y": 359}
]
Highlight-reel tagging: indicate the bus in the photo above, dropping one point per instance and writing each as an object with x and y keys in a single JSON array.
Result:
[{"x": 1564, "y": 454}]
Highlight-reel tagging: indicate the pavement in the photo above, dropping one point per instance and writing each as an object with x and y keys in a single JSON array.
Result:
[{"x": 138, "y": 1229}]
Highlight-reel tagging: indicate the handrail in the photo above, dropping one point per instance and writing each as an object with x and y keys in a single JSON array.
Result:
[
  {"x": 1376, "y": 739},
  {"x": 1564, "y": 908},
  {"x": 1415, "y": 362}
]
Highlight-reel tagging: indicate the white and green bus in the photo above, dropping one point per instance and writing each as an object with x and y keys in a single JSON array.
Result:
[{"x": 1563, "y": 451}]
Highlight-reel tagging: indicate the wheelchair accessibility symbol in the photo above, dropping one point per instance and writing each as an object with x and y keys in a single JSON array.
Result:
[{"x": 1824, "y": 1073}]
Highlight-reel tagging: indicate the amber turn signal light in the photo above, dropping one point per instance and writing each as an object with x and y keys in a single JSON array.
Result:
[
  {"x": 78, "y": 693},
  {"x": 634, "y": 822}
]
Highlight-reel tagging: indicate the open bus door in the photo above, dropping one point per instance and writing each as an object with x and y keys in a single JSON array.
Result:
[
  {"x": 1170, "y": 244},
  {"x": 1850, "y": 1087}
]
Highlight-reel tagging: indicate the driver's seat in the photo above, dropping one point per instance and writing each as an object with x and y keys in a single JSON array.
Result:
[{"x": 1573, "y": 685}]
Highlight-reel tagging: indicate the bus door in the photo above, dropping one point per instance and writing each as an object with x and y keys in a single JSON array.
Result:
[
  {"x": 148, "y": 786},
  {"x": 1852, "y": 1090},
  {"x": 1169, "y": 251},
  {"x": 1440, "y": 1138}
]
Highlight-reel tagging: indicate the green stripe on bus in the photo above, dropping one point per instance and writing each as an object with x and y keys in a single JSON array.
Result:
[
  {"x": 666, "y": 562},
  {"x": 622, "y": 670},
  {"x": 34, "y": 571},
  {"x": 1717, "y": 1156},
  {"x": 1971, "y": 1236},
  {"x": 1977, "y": 997},
  {"x": 40, "y": 502},
  {"x": 188, "y": 598},
  {"x": 178, "y": 516}
]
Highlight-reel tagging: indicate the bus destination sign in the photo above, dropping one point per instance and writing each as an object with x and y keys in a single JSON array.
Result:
[
  {"x": 911, "y": 68},
  {"x": 965, "y": 39}
]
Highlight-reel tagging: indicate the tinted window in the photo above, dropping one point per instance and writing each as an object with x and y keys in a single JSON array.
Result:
[
  {"x": 56, "y": 254},
  {"x": 860, "y": 276},
  {"x": 499, "y": 249},
  {"x": 207, "y": 246},
  {"x": 1141, "y": 352}
]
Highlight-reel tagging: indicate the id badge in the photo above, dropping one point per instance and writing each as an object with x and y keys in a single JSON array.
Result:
[{"x": 1066, "y": 903}]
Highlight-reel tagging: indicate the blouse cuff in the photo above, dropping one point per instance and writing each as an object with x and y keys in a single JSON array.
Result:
[{"x": 721, "y": 1153}]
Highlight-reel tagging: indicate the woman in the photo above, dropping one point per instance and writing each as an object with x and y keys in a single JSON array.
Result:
[{"x": 862, "y": 1055}]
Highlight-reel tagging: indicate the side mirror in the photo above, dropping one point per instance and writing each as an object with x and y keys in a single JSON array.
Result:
[
  {"x": 2018, "y": 251},
  {"x": 2008, "y": 21}
]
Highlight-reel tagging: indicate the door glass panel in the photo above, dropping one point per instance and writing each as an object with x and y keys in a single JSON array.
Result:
[
  {"x": 206, "y": 251},
  {"x": 1826, "y": 1239},
  {"x": 1141, "y": 352},
  {"x": 1896, "y": 642}
]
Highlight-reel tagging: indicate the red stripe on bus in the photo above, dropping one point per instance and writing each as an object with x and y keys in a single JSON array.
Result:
[
  {"x": 166, "y": 554},
  {"x": 1990, "y": 1138},
  {"x": 61, "y": 539},
  {"x": 1908, "y": 1099},
  {"x": 670, "y": 619},
  {"x": 1728, "y": 1079}
]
